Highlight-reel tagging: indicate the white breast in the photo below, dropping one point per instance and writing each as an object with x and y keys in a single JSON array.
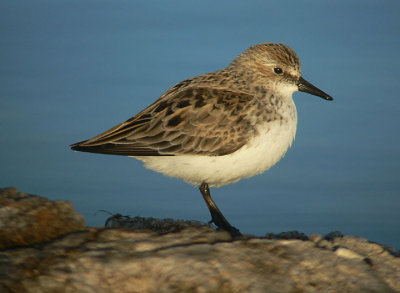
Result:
[{"x": 260, "y": 154}]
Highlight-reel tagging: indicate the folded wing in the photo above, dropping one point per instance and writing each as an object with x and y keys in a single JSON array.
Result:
[{"x": 194, "y": 120}]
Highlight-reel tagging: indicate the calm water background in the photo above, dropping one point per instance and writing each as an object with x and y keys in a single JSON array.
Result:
[{"x": 72, "y": 69}]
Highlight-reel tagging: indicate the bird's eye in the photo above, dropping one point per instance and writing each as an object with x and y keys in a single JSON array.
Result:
[{"x": 278, "y": 70}]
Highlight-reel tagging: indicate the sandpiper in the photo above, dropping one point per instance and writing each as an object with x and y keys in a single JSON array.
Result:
[{"x": 217, "y": 128}]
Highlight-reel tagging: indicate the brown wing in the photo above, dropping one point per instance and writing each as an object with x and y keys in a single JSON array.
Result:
[{"x": 195, "y": 120}]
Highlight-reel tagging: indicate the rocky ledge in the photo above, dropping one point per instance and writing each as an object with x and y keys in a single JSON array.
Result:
[{"x": 45, "y": 247}]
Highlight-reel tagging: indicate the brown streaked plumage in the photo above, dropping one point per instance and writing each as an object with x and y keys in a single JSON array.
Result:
[
  {"x": 194, "y": 120},
  {"x": 217, "y": 128}
]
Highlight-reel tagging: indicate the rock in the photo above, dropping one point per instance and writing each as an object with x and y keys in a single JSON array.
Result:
[
  {"x": 196, "y": 258},
  {"x": 140, "y": 223},
  {"x": 377, "y": 256},
  {"x": 27, "y": 219},
  {"x": 287, "y": 235}
]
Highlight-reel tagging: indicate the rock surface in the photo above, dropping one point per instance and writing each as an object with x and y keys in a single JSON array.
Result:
[
  {"x": 27, "y": 219},
  {"x": 193, "y": 258}
]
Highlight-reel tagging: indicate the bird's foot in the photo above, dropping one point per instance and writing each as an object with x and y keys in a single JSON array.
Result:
[{"x": 222, "y": 224}]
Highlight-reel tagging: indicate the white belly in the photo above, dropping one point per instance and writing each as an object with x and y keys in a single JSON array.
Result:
[{"x": 260, "y": 154}]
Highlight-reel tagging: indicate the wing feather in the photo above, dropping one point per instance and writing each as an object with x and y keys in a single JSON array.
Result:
[{"x": 192, "y": 120}]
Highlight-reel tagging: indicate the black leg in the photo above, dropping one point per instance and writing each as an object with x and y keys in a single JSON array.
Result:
[{"x": 217, "y": 217}]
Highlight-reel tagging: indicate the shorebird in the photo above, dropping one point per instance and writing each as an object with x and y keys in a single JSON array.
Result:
[{"x": 217, "y": 128}]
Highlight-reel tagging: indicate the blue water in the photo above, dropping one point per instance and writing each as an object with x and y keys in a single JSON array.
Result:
[{"x": 72, "y": 69}]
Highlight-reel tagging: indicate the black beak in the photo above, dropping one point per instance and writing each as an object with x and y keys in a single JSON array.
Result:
[{"x": 305, "y": 86}]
